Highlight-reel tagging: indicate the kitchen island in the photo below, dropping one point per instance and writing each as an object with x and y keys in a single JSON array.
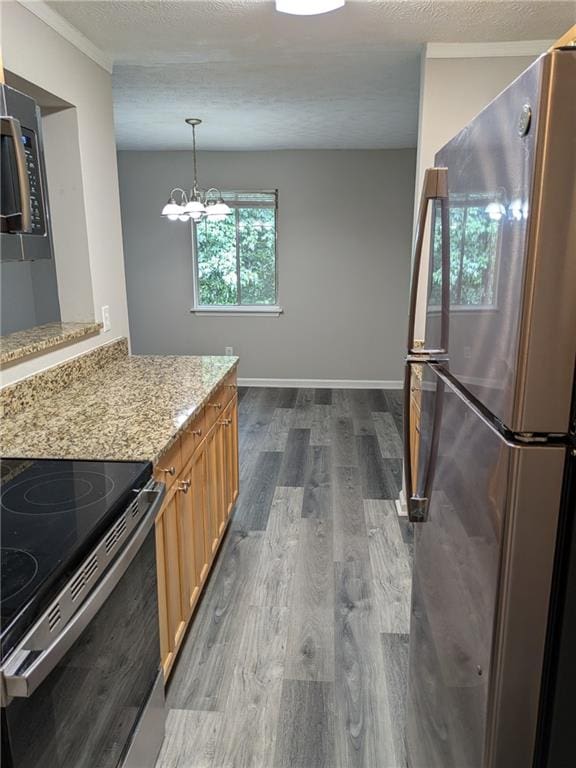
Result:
[{"x": 180, "y": 413}]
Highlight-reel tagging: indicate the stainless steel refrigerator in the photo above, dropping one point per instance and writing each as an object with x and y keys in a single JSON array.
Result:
[{"x": 491, "y": 489}]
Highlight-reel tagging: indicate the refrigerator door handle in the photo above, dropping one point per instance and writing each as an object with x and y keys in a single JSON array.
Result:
[
  {"x": 418, "y": 503},
  {"x": 435, "y": 187}
]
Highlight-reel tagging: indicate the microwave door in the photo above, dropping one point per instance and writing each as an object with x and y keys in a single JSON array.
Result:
[
  {"x": 15, "y": 191},
  {"x": 25, "y": 230}
]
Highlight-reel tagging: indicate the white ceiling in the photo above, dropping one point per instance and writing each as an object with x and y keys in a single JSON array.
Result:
[{"x": 263, "y": 80}]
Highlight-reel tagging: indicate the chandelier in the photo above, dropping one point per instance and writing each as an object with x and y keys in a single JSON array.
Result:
[{"x": 198, "y": 204}]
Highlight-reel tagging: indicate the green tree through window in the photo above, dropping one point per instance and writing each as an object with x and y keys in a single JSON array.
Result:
[
  {"x": 474, "y": 247},
  {"x": 236, "y": 257}
]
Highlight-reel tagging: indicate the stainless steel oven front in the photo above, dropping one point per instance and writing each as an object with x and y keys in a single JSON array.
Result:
[{"x": 84, "y": 688}]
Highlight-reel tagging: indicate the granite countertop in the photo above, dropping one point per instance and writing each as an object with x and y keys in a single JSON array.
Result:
[
  {"x": 131, "y": 410},
  {"x": 41, "y": 338}
]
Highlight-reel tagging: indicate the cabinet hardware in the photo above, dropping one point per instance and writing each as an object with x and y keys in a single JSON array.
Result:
[
  {"x": 197, "y": 432},
  {"x": 215, "y": 405},
  {"x": 225, "y": 422},
  {"x": 169, "y": 471},
  {"x": 231, "y": 386},
  {"x": 184, "y": 485}
]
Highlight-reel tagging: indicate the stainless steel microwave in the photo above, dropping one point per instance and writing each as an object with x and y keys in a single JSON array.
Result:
[{"x": 25, "y": 232}]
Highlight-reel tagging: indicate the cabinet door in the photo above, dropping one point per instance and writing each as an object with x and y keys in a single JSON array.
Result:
[
  {"x": 230, "y": 440},
  {"x": 214, "y": 497},
  {"x": 171, "y": 611},
  {"x": 196, "y": 549},
  {"x": 220, "y": 440},
  {"x": 414, "y": 416},
  {"x": 234, "y": 471},
  {"x": 189, "y": 585}
]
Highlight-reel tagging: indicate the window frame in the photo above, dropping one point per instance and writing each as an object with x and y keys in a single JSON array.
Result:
[{"x": 246, "y": 310}]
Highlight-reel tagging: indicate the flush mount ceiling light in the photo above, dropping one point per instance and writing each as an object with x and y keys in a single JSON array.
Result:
[
  {"x": 198, "y": 204},
  {"x": 308, "y": 7}
]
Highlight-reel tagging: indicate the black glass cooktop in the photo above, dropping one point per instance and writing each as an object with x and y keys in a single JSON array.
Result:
[{"x": 52, "y": 514}]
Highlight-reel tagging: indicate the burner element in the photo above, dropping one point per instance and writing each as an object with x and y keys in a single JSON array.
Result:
[
  {"x": 57, "y": 492},
  {"x": 17, "y": 568}
]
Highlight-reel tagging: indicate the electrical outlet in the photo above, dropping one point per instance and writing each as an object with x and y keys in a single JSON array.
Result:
[
  {"x": 229, "y": 351},
  {"x": 106, "y": 318}
]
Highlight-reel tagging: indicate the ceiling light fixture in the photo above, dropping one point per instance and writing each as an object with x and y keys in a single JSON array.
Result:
[
  {"x": 198, "y": 204},
  {"x": 308, "y": 7}
]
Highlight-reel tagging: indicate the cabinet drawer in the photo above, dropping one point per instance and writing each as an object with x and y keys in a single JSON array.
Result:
[
  {"x": 192, "y": 436},
  {"x": 169, "y": 465}
]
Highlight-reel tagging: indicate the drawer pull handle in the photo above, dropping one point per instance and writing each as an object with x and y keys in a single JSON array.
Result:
[
  {"x": 184, "y": 485},
  {"x": 225, "y": 422},
  {"x": 169, "y": 471},
  {"x": 231, "y": 386},
  {"x": 215, "y": 405},
  {"x": 196, "y": 432}
]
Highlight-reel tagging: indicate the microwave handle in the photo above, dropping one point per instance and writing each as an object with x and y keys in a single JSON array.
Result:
[
  {"x": 11, "y": 127},
  {"x": 22, "y": 684}
]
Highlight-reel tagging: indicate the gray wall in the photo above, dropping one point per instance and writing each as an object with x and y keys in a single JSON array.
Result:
[
  {"x": 28, "y": 295},
  {"x": 344, "y": 232}
]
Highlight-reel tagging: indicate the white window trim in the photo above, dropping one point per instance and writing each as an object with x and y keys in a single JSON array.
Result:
[{"x": 238, "y": 310}]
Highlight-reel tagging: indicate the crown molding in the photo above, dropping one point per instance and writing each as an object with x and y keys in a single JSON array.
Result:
[
  {"x": 69, "y": 32},
  {"x": 487, "y": 50}
]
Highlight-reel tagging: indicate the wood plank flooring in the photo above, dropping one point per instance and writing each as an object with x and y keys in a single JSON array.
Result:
[{"x": 297, "y": 654}]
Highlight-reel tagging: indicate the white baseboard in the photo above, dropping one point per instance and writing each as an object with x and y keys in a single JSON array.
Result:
[{"x": 321, "y": 383}]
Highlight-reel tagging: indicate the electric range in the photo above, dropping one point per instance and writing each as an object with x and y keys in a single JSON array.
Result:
[
  {"x": 80, "y": 670},
  {"x": 52, "y": 512}
]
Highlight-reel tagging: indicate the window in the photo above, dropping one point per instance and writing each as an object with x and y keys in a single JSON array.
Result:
[
  {"x": 474, "y": 248},
  {"x": 235, "y": 259}
]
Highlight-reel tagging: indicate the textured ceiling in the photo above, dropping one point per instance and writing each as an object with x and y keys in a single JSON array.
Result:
[{"x": 263, "y": 80}]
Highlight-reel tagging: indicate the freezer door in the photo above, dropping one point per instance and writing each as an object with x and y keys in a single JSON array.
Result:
[
  {"x": 482, "y": 570},
  {"x": 512, "y": 231}
]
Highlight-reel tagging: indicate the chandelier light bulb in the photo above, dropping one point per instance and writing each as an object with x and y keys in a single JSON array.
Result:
[
  {"x": 172, "y": 210},
  {"x": 218, "y": 211},
  {"x": 308, "y": 7},
  {"x": 515, "y": 210},
  {"x": 195, "y": 208},
  {"x": 495, "y": 211}
]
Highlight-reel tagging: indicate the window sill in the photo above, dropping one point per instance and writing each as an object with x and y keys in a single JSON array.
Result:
[
  {"x": 272, "y": 311},
  {"x": 436, "y": 310}
]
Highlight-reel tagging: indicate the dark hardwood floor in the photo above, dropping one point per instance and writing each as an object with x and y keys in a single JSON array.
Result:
[{"x": 297, "y": 655}]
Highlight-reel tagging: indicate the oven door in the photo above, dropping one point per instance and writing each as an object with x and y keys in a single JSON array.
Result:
[{"x": 86, "y": 712}]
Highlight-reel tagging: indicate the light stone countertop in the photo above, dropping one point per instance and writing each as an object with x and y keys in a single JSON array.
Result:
[
  {"x": 131, "y": 410},
  {"x": 42, "y": 338}
]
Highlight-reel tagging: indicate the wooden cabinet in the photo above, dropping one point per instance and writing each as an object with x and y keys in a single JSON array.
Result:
[
  {"x": 214, "y": 484},
  {"x": 201, "y": 473},
  {"x": 169, "y": 564},
  {"x": 415, "y": 398},
  {"x": 190, "y": 501},
  {"x": 231, "y": 454}
]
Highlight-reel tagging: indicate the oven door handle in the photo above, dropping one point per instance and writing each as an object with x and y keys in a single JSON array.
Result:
[
  {"x": 11, "y": 127},
  {"x": 22, "y": 684}
]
